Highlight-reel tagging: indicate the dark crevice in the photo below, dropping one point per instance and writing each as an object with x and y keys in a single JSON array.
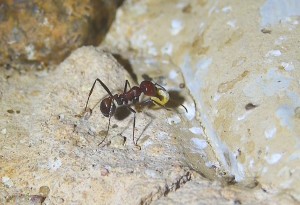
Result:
[
  {"x": 127, "y": 65},
  {"x": 164, "y": 191}
]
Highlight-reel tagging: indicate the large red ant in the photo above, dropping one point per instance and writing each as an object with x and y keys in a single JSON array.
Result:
[{"x": 158, "y": 97}]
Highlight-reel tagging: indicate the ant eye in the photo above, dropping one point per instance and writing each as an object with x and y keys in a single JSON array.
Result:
[
  {"x": 148, "y": 88},
  {"x": 107, "y": 107}
]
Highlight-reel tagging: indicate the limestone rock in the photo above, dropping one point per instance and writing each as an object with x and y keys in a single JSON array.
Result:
[
  {"x": 240, "y": 66},
  {"x": 41, "y": 33},
  {"x": 239, "y": 60},
  {"x": 49, "y": 150}
]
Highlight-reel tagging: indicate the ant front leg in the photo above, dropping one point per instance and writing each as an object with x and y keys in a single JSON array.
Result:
[
  {"x": 91, "y": 91},
  {"x": 162, "y": 106},
  {"x": 160, "y": 86},
  {"x": 149, "y": 101},
  {"x": 125, "y": 87}
]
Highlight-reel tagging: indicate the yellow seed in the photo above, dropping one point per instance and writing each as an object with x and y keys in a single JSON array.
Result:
[{"x": 162, "y": 99}]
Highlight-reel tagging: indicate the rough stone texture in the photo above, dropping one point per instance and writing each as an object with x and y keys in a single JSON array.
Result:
[
  {"x": 47, "y": 150},
  {"x": 200, "y": 191},
  {"x": 240, "y": 71},
  {"x": 39, "y": 33},
  {"x": 240, "y": 61}
]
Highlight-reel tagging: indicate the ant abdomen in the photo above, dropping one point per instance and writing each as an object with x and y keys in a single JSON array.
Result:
[{"x": 107, "y": 107}]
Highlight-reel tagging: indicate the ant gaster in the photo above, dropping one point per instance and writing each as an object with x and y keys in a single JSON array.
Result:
[{"x": 158, "y": 96}]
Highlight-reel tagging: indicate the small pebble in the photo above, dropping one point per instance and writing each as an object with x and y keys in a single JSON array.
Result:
[
  {"x": 118, "y": 141},
  {"x": 92, "y": 131},
  {"x": 266, "y": 30},
  {"x": 101, "y": 133},
  {"x": 137, "y": 148},
  {"x": 104, "y": 172},
  {"x": 4, "y": 131},
  {"x": 37, "y": 199},
  {"x": 87, "y": 114},
  {"x": 7, "y": 182},
  {"x": 250, "y": 106},
  {"x": 10, "y": 111},
  {"x": 61, "y": 116},
  {"x": 44, "y": 191}
]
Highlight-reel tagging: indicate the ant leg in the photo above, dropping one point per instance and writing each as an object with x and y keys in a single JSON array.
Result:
[
  {"x": 108, "y": 126},
  {"x": 125, "y": 87},
  {"x": 91, "y": 91},
  {"x": 160, "y": 86},
  {"x": 162, "y": 106},
  {"x": 148, "y": 124},
  {"x": 106, "y": 132},
  {"x": 156, "y": 103},
  {"x": 134, "y": 112}
]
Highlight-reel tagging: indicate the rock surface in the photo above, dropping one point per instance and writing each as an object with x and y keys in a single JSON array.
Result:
[
  {"x": 48, "y": 150},
  {"x": 240, "y": 63},
  {"x": 240, "y": 131},
  {"x": 42, "y": 33}
]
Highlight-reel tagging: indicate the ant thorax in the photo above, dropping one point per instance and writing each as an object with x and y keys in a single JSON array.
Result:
[{"x": 162, "y": 98}]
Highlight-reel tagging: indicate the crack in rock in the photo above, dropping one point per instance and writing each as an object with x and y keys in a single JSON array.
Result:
[{"x": 164, "y": 191}]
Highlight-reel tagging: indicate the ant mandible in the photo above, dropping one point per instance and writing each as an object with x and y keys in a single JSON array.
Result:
[{"x": 158, "y": 96}]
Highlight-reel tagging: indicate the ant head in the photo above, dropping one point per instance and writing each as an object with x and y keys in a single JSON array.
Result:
[
  {"x": 108, "y": 107},
  {"x": 148, "y": 88}
]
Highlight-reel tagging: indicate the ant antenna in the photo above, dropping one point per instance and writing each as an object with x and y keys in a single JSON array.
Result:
[
  {"x": 160, "y": 86},
  {"x": 186, "y": 110}
]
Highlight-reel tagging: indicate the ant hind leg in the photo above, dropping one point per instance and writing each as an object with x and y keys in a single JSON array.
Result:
[
  {"x": 134, "y": 120},
  {"x": 106, "y": 132}
]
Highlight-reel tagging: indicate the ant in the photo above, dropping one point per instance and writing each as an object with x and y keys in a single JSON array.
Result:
[{"x": 158, "y": 97}]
